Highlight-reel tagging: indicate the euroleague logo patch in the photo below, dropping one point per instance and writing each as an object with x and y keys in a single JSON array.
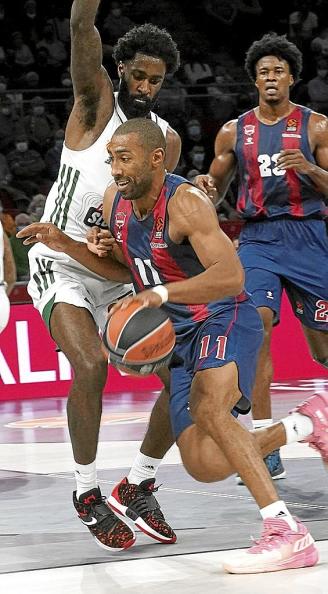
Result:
[
  {"x": 157, "y": 238},
  {"x": 291, "y": 125}
]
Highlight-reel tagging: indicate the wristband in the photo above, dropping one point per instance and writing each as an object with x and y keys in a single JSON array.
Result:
[{"x": 162, "y": 292}]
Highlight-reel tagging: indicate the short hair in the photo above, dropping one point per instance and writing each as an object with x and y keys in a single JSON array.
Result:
[
  {"x": 272, "y": 44},
  {"x": 150, "y": 40},
  {"x": 149, "y": 133}
]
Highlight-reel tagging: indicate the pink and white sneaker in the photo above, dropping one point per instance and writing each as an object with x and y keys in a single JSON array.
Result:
[
  {"x": 316, "y": 408},
  {"x": 278, "y": 548}
]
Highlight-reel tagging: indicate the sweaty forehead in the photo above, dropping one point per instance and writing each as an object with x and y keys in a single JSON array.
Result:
[
  {"x": 271, "y": 62},
  {"x": 148, "y": 64}
]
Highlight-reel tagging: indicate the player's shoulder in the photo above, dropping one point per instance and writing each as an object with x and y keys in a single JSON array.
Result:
[
  {"x": 318, "y": 122},
  {"x": 187, "y": 198}
]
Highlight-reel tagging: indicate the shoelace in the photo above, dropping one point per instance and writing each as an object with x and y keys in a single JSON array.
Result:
[
  {"x": 270, "y": 537},
  {"x": 103, "y": 514}
]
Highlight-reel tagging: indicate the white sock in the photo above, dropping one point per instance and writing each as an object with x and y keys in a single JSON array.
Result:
[
  {"x": 144, "y": 467},
  {"x": 86, "y": 477},
  {"x": 261, "y": 423},
  {"x": 277, "y": 509},
  {"x": 297, "y": 427}
]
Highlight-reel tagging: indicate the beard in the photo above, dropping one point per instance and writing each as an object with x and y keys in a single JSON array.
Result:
[{"x": 130, "y": 105}]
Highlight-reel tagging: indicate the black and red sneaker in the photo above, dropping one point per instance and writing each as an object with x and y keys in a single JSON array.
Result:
[
  {"x": 108, "y": 530},
  {"x": 137, "y": 502}
]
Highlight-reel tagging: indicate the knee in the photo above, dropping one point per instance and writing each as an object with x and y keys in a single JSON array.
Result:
[
  {"x": 205, "y": 475},
  {"x": 91, "y": 372}
]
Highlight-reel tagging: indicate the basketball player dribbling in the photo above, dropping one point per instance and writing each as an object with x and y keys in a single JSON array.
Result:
[
  {"x": 191, "y": 269},
  {"x": 7, "y": 277},
  {"x": 281, "y": 152},
  {"x": 72, "y": 300}
]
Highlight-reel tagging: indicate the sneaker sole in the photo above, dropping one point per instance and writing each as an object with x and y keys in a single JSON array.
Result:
[
  {"x": 112, "y": 549},
  {"x": 307, "y": 559},
  {"x": 139, "y": 522},
  {"x": 282, "y": 475}
]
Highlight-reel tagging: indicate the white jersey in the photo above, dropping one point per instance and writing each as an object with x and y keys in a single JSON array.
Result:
[{"x": 75, "y": 202}]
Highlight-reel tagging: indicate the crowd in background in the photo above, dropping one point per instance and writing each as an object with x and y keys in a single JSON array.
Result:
[{"x": 210, "y": 88}]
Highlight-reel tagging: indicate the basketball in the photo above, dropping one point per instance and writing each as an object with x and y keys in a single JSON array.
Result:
[{"x": 139, "y": 339}]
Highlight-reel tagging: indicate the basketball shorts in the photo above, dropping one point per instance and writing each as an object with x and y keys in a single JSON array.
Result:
[
  {"x": 234, "y": 334},
  {"x": 290, "y": 255},
  {"x": 52, "y": 281}
]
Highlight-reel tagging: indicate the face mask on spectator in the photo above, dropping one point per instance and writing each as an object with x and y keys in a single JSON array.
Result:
[
  {"x": 322, "y": 73},
  {"x": 6, "y": 111},
  {"x": 3, "y": 87},
  {"x": 194, "y": 130},
  {"x": 22, "y": 146},
  {"x": 198, "y": 159},
  {"x": 38, "y": 110},
  {"x": 116, "y": 12},
  {"x": 58, "y": 145},
  {"x": 66, "y": 82},
  {"x": 20, "y": 227}
]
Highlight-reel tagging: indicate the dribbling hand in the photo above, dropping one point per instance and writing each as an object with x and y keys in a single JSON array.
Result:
[{"x": 145, "y": 298}]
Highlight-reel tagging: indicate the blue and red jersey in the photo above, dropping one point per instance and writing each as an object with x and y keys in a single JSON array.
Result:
[
  {"x": 155, "y": 259},
  {"x": 264, "y": 190}
]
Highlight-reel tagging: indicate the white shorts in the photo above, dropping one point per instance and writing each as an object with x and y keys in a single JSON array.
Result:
[
  {"x": 53, "y": 281},
  {"x": 4, "y": 308}
]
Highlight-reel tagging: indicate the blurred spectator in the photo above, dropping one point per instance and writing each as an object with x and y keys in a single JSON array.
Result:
[
  {"x": 6, "y": 25},
  {"x": 66, "y": 79},
  {"x": 318, "y": 88},
  {"x": 303, "y": 24},
  {"x": 194, "y": 137},
  {"x": 47, "y": 73},
  {"x": 60, "y": 24},
  {"x": 56, "y": 49},
  {"x": 36, "y": 207},
  {"x": 7, "y": 278},
  {"x": 20, "y": 251},
  {"x": 23, "y": 57},
  {"x": 196, "y": 70},
  {"x": 116, "y": 24},
  {"x": 40, "y": 126},
  {"x": 26, "y": 166},
  {"x": 30, "y": 23},
  {"x": 224, "y": 11},
  {"x": 10, "y": 125},
  {"x": 53, "y": 154},
  {"x": 319, "y": 44}
]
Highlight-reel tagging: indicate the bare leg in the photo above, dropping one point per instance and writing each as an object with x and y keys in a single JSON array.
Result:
[
  {"x": 219, "y": 444},
  {"x": 261, "y": 401},
  {"x": 159, "y": 437},
  {"x": 318, "y": 344},
  {"x": 76, "y": 334}
]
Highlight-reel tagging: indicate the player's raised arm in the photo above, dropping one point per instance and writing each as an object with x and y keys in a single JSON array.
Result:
[
  {"x": 93, "y": 92},
  {"x": 192, "y": 216}
]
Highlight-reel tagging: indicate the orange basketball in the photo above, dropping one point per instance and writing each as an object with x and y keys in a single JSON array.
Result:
[{"x": 139, "y": 339}]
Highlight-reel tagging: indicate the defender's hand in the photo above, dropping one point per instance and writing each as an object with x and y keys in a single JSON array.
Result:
[
  {"x": 100, "y": 241},
  {"x": 46, "y": 233},
  {"x": 145, "y": 298},
  {"x": 294, "y": 159},
  {"x": 204, "y": 183}
]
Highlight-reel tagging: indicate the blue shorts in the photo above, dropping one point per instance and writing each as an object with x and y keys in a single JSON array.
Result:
[
  {"x": 234, "y": 334},
  {"x": 288, "y": 254}
]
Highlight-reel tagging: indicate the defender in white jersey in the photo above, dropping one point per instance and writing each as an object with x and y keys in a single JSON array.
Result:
[
  {"x": 7, "y": 277},
  {"x": 74, "y": 301}
]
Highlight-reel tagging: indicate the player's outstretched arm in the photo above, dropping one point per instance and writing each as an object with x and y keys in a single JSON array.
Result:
[
  {"x": 193, "y": 216},
  {"x": 55, "y": 239}
]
